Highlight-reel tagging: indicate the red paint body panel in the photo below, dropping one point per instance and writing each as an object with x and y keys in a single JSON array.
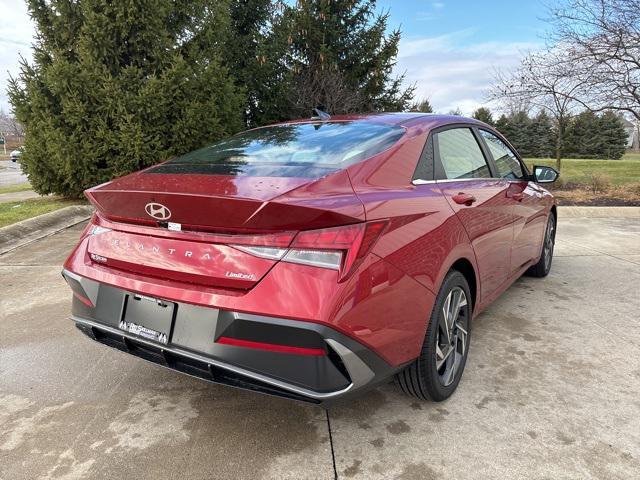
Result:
[
  {"x": 184, "y": 261},
  {"x": 218, "y": 202},
  {"x": 489, "y": 226},
  {"x": 385, "y": 304},
  {"x": 530, "y": 212}
]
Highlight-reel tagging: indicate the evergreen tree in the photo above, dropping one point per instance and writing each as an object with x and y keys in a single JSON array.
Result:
[
  {"x": 484, "y": 115},
  {"x": 542, "y": 136},
  {"x": 117, "y": 86},
  {"x": 502, "y": 124},
  {"x": 581, "y": 136},
  {"x": 517, "y": 127},
  {"x": 341, "y": 57},
  {"x": 612, "y": 137},
  {"x": 423, "y": 106},
  {"x": 254, "y": 54},
  {"x": 591, "y": 136},
  {"x": 532, "y": 137}
]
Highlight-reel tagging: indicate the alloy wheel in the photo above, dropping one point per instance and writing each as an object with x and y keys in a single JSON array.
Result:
[
  {"x": 451, "y": 340},
  {"x": 548, "y": 244}
]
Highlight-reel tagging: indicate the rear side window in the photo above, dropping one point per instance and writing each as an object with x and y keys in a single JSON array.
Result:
[
  {"x": 461, "y": 155},
  {"x": 505, "y": 159},
  {"x": 304, "y": 149},
  {"x": 424, "y": 170}
]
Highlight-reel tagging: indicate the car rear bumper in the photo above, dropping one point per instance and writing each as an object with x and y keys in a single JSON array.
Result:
[{"x": 343, "y": 367}]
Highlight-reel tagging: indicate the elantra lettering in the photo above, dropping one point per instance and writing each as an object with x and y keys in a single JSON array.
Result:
[{"x": 157, "y": 250}]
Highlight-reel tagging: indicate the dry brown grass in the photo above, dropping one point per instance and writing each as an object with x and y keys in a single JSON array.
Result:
[{"x": 599, "y": 193}]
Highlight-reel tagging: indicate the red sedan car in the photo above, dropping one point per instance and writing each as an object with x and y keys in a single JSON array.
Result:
[{"x": 315, "y": 258}]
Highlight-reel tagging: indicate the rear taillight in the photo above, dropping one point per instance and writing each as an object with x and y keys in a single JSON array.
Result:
[
  {"x": 271, "y": 253},
  {"x": 337, "y": 248}
]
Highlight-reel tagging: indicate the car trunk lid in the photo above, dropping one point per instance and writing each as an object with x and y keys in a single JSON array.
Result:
[{"x": 214, "y": 220}]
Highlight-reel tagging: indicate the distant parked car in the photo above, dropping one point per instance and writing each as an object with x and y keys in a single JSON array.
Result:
[{"x": 15, "y": 155}]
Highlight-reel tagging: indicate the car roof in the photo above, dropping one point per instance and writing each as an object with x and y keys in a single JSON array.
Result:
[{"x": 404, "y": 119}]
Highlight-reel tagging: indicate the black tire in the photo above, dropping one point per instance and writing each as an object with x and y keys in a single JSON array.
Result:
[
  {"x": 423, "y": 379},
  {"x": 543, "y": 267}
]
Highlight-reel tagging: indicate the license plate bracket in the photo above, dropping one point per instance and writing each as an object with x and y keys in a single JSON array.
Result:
[{"x": 147, "y": 317}]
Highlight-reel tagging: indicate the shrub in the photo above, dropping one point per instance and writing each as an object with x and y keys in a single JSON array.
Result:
[
  {"x": 118, "y": 86},
  {"x": 599, "y": 182}
]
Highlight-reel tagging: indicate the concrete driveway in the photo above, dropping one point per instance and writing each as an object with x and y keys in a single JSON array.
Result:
[{"x": 551, "y": 390}]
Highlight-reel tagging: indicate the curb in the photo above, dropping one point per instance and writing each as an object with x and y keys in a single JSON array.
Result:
[
  {"x": 598, "y": 212},
  {"x": 27, "y": 231}
]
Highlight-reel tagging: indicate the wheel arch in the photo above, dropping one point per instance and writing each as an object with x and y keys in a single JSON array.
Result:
[{"x": 465, "y": 267}]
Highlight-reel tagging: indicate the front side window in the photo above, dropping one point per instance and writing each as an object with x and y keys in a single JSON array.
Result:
[
  {"x": 506, "y": 161},
  {"x": 461, "y": 155}
]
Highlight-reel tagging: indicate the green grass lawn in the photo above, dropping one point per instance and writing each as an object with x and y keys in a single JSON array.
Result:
[
  {"x": 576, "y": 170},
  {"x": 12, "y": 212},
  {"x": 21, "y": 187}
]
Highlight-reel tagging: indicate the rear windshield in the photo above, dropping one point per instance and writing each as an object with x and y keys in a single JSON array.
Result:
[{"x": 300, "y": 150}]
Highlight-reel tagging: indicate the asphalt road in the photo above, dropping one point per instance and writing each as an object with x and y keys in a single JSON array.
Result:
[
  {"x": 551, "y": 390},
  {"x": 11, "y": 174}
]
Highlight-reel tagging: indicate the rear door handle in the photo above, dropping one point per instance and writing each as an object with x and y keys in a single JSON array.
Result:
[{"x": 464, "y": 199}]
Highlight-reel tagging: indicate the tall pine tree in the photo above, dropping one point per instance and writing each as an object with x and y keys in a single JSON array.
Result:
[
  {"x": 532, "y": 137},
  {"x": 255, "y": 55},
  {"x": 581, "y": 136},
  {"x": 516, "y": 127},
  {"x": 340, "y": 57},
  {"x": 587, "y": 135},
  {"x": 116, "y": 86},
  {"x": 484, "y": 115},
  {"x": 542, "y": 136},
  {"x": 613, "y": 137}
]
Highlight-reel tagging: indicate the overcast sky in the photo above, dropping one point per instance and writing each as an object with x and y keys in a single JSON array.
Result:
[
  {"x": 16, "y": 33},
  {"x": 449, "y": 49}
]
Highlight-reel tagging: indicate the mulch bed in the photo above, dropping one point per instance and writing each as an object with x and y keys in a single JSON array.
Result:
[{"x": 579, "y": 195}]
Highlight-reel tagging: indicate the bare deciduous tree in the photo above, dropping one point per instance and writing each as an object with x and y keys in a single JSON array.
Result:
[
  {"x": 543, "y": 81},
  {"x": 603, "y": 45},
  {"x": 9, "y": 125},
  {"x": 323, "y": 87}
]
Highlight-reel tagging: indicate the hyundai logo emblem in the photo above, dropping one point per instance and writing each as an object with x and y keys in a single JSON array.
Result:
[{"x": 157, "y": 211}]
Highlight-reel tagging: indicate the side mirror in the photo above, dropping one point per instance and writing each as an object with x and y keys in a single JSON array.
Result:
[{"x": 542, "y": 174}]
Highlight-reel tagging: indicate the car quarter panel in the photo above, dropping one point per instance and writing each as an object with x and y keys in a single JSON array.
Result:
[{"x": 424, "y": 238}]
